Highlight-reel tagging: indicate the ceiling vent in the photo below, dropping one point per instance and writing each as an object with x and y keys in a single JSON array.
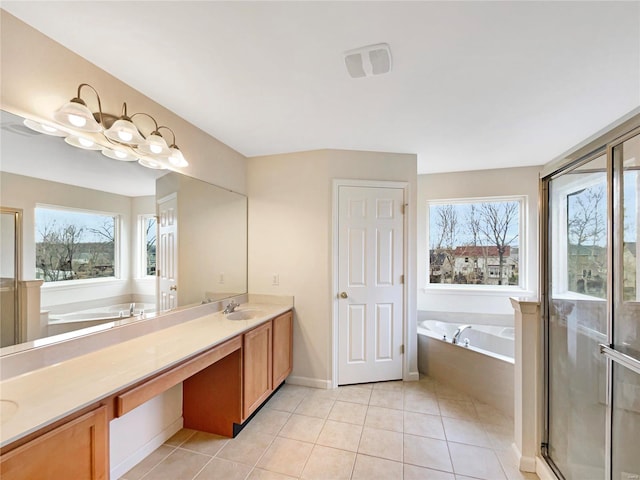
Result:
[{"x": 368, "y": 61}]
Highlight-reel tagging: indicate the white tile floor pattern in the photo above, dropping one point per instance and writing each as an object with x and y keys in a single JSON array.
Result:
[{"x": 390, "y": 431}]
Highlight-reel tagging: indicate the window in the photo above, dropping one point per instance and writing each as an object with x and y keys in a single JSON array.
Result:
[
  {"x": 579, "y": 231},
  {"x": 587, "y": 235},
  {"x": 475, "y": 242},
  {"x": 74, "y": 245},
  {"x": 148, "y": 244}
]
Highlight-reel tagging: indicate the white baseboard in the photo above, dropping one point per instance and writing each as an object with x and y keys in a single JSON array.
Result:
[
  {"x": 413, "y": 377},
  {"x": 525, "y": 464},
  {"x": 308, "y": 382},
  {"x": 543, "y": 471},
  {"x": 144, "y": 451}
]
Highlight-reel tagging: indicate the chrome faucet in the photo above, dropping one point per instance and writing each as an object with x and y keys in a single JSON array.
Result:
[
  {"x": 231, "y": 306},
  {"x": 131, "y": 309},
  {"x": 456, "y": 336}
]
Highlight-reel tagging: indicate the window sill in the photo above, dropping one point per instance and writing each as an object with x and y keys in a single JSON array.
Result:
[
  {"x": 74, "y": 284},
  {"x": 490, "y": 291}
]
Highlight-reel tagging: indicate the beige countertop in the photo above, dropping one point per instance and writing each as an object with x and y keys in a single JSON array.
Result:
[{"x": 40, "y": 397}]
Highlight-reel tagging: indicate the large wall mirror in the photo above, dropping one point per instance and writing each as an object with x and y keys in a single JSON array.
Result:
[{"x": 112, "y": 241}]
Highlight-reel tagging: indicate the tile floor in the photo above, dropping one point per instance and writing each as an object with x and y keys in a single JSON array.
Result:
[{"x": 390, "y": 431}]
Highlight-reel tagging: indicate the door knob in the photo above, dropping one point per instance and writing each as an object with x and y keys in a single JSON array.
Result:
[
  {"x": 343, "y": 295},
  {"x": 173, "y": 288}
]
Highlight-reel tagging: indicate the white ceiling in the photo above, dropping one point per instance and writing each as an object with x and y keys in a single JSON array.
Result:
[{"x": 474, "y": 85}]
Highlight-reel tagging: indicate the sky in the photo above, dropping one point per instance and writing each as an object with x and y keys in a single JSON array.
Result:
[
  {"x": 46, "y": 216},
  {"x": 463, "y": 236}
]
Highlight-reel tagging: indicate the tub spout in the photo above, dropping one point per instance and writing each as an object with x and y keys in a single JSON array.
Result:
[{"x": 456, "y": 336}]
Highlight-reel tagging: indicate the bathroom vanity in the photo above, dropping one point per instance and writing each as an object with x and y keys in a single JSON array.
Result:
[{"x": 55, "y": 420}]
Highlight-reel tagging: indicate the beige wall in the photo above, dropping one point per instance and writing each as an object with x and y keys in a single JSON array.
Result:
[
  {"x": 477, "y": 184},
  {"x": 290, "y": 228},
  {"x": 40, "y": 75}
]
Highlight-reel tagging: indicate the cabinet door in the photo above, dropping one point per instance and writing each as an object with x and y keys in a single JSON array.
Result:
[
  {"x": 282, "y": 347},
  {"x": 257, "y": 368},
  {"x": 77, "y": 450}
]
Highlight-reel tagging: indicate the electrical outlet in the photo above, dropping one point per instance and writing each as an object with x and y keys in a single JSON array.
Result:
[{"x": 275, "y": 279}]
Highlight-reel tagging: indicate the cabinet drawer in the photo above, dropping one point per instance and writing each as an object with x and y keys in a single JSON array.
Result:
[{"x": 77, "y": 450}]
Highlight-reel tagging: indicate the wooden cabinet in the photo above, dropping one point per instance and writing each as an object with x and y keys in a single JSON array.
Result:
[
  {"x": 222, "y": 387},
  {"x": 78, "y": 449},
  {"x": 282, "y": 347},
  {"x": 257, "y": 368},
  {"x": 267, "y": 360}
]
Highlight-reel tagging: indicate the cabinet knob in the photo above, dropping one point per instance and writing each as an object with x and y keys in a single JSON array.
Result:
[
  {"x": 344, "y": 295},
  {"x": 173, "y": 288}
]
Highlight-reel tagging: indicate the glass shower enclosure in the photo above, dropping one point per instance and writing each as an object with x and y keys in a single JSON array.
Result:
[{"x": 591, "y": 214}]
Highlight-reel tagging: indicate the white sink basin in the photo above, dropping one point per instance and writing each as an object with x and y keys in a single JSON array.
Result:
[
  {"x": 7, "y": 409},
  {"x": 246, "y": 314}
]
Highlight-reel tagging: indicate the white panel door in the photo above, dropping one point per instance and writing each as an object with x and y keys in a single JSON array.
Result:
[
  {"x": 167, "y": 256},
  {"x": 370, "y": 288}
]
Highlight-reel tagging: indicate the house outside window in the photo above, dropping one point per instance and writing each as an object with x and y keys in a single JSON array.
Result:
[
  {"x": 476, "y": 242},
  {"x": 75, "y": 244}
]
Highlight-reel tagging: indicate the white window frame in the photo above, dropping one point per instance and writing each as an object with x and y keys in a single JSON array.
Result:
[
  {"x": 560, "y": 252},
  {"x": 141, "y": 270},
  {"x": 117, "y": 267},
  {"x": 523, "y": 266}
]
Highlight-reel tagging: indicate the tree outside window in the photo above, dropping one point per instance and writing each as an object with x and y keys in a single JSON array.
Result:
[
  {"x": 72, "y": 245},
  {"x": 149, "y": 244},
  {"x": 475, "y": 243},
  {"x": 587, "y": 241}
]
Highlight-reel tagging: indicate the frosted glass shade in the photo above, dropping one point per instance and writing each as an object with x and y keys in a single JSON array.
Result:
[
  {"x": 76, "y": 115},
  {"x": 151, "y": 163},
  {"x": 82, "y": 142},
  {"x": 176, "y": 158},
  {"x": 124, "y": 131},
  {"x": 155, "y": 145},
  {"x": 119, "y": 154},
  {"x": 44, "y": 128}
]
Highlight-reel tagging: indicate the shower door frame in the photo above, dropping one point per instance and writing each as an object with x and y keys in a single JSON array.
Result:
[
  {"x": 19, "y": 334},
  {"x": 598, "y": 145}
]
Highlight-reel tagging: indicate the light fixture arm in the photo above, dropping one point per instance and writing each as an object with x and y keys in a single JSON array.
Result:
[
  {"x": 78, "y": 99},
  {"x": 173, "y": 142},
  {"x": 145, "y": 114}
]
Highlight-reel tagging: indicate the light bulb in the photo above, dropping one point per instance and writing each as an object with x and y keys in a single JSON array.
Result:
[
  {"x": 155, "y": 148},
  {"x": 48, "y": 128},
  {"x": 120, "y": 154},
  {"x": 85, "y": 142},
  {"x": 77, "y": 121},
  {"x": 125, "y": 136}
]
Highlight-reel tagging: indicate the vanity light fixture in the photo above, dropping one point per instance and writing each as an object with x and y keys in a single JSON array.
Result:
[
  {"x": 45, "y": 128},
  {"x": 76, "y": 115},
  {"x": 118, "y": 137},
  {"x": 81, "y": 141}
]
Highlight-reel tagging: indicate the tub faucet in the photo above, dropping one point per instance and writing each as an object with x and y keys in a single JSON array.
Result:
[
  {"x": 456, "y": 336},
  {"x": 231, "y": 306}
]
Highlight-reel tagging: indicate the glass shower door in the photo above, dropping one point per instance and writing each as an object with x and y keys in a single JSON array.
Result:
[
  {"x": 9, "y": 269},
  {"x": 577, "y": 321},
  {"x": 624, "y": 348},
  {"x": 592, "y": 332}
]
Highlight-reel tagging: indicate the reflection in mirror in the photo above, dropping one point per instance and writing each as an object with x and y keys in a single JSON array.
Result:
[{"x": 89, "y": 234}]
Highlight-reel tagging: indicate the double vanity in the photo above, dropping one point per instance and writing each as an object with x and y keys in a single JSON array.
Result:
[{"x": 55, "y": 419}]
